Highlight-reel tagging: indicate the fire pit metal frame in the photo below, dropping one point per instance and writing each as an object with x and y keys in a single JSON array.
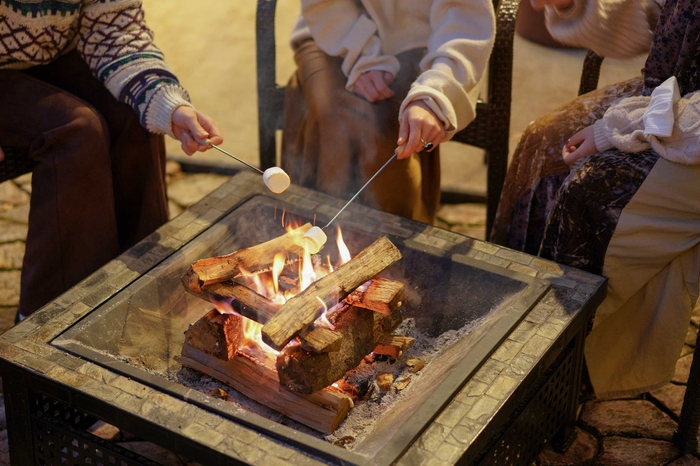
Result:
[{"x": 473, "y": 427}]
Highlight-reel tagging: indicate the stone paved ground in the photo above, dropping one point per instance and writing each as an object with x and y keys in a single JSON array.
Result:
[{"x": 618, "y": 432}]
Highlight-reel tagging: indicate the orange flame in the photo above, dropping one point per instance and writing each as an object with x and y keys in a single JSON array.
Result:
[{"x": 342, "y": 248}]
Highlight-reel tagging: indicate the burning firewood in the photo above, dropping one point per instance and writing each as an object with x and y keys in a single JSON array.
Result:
[
  {"x": 394, "y": 346},
  {"x": 321, "y": 340},
  {"x": 382, "y": 296},
  {"x": 257, "y": 379},
  {"x": 384, "y": 380},
  {"x": 304, "y": 372},
  {"x": 300, "y": 311},
  {"x": 216, "y": 334},
  {"x": 250, "y": 260},
  {"x": 242, "y": 300}
]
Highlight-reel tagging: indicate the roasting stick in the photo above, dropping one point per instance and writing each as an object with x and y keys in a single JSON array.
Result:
[
  {"x": 315, "y": 238},
  {"x": 274, "y": 178}
]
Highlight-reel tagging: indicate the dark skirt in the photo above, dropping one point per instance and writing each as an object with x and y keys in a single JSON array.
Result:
[{"x": 334, "y": 140}]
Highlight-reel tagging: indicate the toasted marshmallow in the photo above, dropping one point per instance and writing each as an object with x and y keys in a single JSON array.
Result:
[
  {"x": 276, "y": 179},
  {"x": 314, "y": 240}
]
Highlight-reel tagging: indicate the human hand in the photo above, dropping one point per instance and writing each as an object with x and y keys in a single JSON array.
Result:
[
  {"x": 581, "y": 144},
  {"x": 418, "y": 122},
  {"x": 374, "y": 85},
  {"x": 190, "y": 124},
  {"x": 538, "y": 5}
]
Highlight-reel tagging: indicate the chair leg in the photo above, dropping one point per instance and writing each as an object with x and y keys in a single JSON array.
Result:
[{"x": 686, "y": 436}]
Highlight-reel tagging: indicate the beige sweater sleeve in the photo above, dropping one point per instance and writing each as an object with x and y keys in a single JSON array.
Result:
[
  {"x": 342, "y": 29},
  {"x": 611, "y": 28},
  {"x": 622, "y": 127},
  {"x": 458, "y": 52}
]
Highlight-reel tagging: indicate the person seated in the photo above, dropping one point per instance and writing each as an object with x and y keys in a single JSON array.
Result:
[
  {"x": 608, "y": 184},
  {"x": 87, "y": 96},
  {"x": 376, "y": 74}
]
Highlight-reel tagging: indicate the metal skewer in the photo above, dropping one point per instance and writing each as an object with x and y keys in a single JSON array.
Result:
[
  {"x": 208, "y": 143},
  {"x": 358, "y": 192}
]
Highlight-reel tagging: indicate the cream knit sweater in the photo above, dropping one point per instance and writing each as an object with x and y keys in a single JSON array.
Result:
[
  {"x": 623, "y": 28},
  {"x": 368, "y": 34}
]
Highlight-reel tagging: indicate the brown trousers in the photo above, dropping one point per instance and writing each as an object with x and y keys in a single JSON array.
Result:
[
  {"x": 99, "y": 184},
  {"x": 334, "y": 140}
]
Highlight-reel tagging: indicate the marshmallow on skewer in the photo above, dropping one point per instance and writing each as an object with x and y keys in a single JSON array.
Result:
[
  {"x": 276, "y": 180},
  {"x": 314, "y": 239}
]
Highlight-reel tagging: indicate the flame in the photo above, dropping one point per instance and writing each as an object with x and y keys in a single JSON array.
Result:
[
  {"x": 268, "y": 284},
  {"x": 342, "y": 248},
  {"x": 277, "y": 267}
]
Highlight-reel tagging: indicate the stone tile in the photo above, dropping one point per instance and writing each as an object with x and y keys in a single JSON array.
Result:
[
  {"x": 636, "y": 451},
  {"x": 203, "y": 434},
  {"x": 11, "y": 255},
  {"x": 507, "y": 351},
  {"x": 686, "y": 350},
  {"x": 9, "y": 287},
  {"x": 433, "y": 437},
  {"x": 454, "y": 413},
  {"x": 687, "y": 460},
  {"x": 628, "y": 418},
  {"x": 10, "y": 231},
  {"x": 11, "y": 195},
  {"x": 189, "y": 190},
  {"x": 502, "y": 387},
  {"x": 462, "y": 214},
  {"x": 105, "y": 431},
  {"x": 671, "y": 396},
  {"x": 692, "y": 336},
  {"x": 682, "y": 369},
  {"x": 19, "y": 214},
  {"x": 582, "y": 451},
  {"x": 484, "y": 407}
]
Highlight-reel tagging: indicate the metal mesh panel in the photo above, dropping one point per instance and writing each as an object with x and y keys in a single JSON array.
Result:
[
  {"x": 60, "y": 438},
  {"x": 540, "y": 420},
  {"x": 16, "y": 163}
]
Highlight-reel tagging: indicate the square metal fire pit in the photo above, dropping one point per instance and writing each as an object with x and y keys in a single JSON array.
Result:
[{"x": 105, "y": 349}]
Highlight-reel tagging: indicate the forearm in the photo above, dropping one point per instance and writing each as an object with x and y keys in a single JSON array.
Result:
[
  {"x": 458, "y": 52},
  {"x": 118, "y": 46},
  {"x": 611, "y": 28}
]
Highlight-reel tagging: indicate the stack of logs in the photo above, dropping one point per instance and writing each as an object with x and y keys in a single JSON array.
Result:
[{"x": 311, "y": 358}]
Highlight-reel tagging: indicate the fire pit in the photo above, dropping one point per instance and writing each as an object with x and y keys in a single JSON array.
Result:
[{"x": 501, "y": 333}]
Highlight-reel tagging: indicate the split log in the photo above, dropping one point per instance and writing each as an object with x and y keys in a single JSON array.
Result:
[
  {"x": 216, "y": 334},
  {"x": 394, "y": 345},
  {"x": 305, "y": 372},
  {"x": 322, "y": 410},
  {"x": 381, "y": 296},
  {"x": 300, "y": 311},
  {"x": 253, "y": 260},
  {"x": 321, "y": 340},
  {"x": 242, "y": 299}
]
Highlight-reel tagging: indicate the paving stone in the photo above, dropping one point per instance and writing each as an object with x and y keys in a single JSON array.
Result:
[
  {"x": 11, "y": 195},
  {"x": 621, "y": 451},
  {"x": 18, "y": 214},
  {"x": 7, "y": 318},
  {"x": 683, "y": 369},
  {"x": 9, "y": 287},
  {"x": 582, "y": 451},
  {"x": 11, "y": 255},
  {"x": 10, "y": 231},
  {"x": 106, "y": 431},
  {"x": 153, "y": 452},
  {"x": 189, "y": 190},
  {"x": 671, "y": 396},
  {"x": 172, "y": 168},
  {"x": 627, "y": 417},
  {"x": 465, "y": 214},
  {"x": 687, "y": 460},
  {"x": 691, "y": 336},
  {"x": 173, "y": 209},
  {"x": 686, "y": 350}
]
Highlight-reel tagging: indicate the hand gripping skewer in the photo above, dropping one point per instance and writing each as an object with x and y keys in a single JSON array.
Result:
[{"x": 315, "y": 238}]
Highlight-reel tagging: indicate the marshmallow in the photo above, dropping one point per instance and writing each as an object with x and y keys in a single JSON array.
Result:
[
  {"x": 276, "y": 179},
  {"x": 314, "y": 239}
]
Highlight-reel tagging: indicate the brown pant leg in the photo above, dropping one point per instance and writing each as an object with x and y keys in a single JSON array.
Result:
[
  {"x": 72, "y": 224},
  {"x": 137, "y": 157},
  {"x": 334, "y": 140}
]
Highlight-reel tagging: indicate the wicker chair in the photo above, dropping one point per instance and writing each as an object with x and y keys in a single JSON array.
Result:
[
  {"x": 488, "y": 131},
  {"x": 686, "y": 436}
]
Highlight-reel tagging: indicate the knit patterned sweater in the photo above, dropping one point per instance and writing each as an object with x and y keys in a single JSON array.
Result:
[{"x": 110, "y": 35}]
